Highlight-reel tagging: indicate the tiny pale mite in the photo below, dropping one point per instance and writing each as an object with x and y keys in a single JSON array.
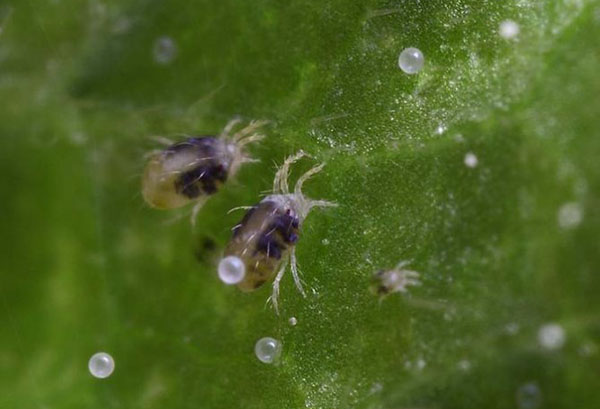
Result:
[
  {"x": 192, "y": 170},
  {"x": 386, "y": 282},
  {"x": 265, "y": 239}
]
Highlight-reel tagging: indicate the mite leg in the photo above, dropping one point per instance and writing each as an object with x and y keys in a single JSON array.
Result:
[
  {"x": 321, "y": 203},
  {"x": 280, "y": 183},
  {"x": 248, "y": 130},
  {"x": 246, "y": 159},
  {"x": 227, "y": 130},
  {"x": 402, "y": 264},
  {"x": 306, "y": 176},
  {"x": 162, "y": 140},
  {"x": 255, "y": 137},
  {"x": 199, "y": 203},
  {"x": 407, "y": 278},
  {"x": 295, "y": 273},
  {"x": 173, "y": 220},
  {"x": 239, "y": 208},
  {"x": 412, "y": 277},
  {"x": 275, "y": 295}
]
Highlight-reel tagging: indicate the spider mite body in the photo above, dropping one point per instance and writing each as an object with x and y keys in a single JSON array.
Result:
[
  {"x": 266, "y": 237},
  {"x": 386, "y": 282},
  {"x": 186, "y": 171},
  {"x": 192, "y": 170}
]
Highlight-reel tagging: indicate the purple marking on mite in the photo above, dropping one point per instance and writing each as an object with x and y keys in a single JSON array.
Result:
[
  {"x": 280, "y": 234},
  {"x": 203, "y": 178},
  {"x": 268, "y": 245},
  {"x": 201, "y": 142}
]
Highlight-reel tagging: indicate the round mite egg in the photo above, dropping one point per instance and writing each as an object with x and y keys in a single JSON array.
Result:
[
  {"x": 411, "y": 60},
  {"x": 528, "y": 396},
  {"x": 267, "y": 350},
  {"x": 266, "y": 237},
  {"x": 509, "y": 29},
  {"x": 570, "y": 215},
  {"x": 471, "y": 160},
  {"x": 164, "y": 50},
  {"x": 551, "y": 336},
  {"x": 192, "y": 170},
  {"x": 101, "y": 365},
  {"x": 231, "y": 270}
]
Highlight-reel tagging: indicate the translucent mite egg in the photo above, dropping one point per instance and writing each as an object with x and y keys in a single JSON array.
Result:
[
  {"x": 471, "y": 160},
  {"x": 511, "y": 328},
  {"x": 570, "y": 215},
  {"x": 164, "y": 50},
  {"x": 464, "y": 365},
  {"x": 528, "y": 396},
  {"x": 231, "y": 270},
  {"x": 508, "y": 29},
  {"x": 411, "y": 60},
  {"x": 293, "y": 321},
  {"x": 101, "y": 365},
  {"x": 551, "y": 336},
  {"x": 267, "y": 350}
]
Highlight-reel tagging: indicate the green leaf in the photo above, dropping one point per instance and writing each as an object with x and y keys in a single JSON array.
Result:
[{"x": 504, "y": 248}]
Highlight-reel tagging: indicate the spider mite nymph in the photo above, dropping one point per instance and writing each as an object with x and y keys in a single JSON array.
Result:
[
  {"x": 386, "y": 282},
  {"x": 192, "y": 170},
  {"x": 264, "y": 242}
]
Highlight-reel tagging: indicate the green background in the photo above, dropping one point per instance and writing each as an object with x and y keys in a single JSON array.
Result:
[{"x": 86, "y": 266}]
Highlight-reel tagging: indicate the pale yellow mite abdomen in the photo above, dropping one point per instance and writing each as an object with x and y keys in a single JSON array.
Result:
[
  {"x": 192, "y": 170},
  {"x": 185, "y": 171}
]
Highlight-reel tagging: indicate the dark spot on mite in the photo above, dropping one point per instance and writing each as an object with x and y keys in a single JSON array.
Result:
[
  {"x": 287, "y": 226},
  {"x": 269, "y": 245},
  {"x": 377, "y": 287},
  {"x": 280, "y": 235},
  {"x": 187, "y": 183},
  {"x": 204, "y": 178}
]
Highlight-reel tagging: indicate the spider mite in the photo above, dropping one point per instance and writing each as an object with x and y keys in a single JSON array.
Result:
[
  {"x": 192, "y": 170},
  {"x": 264, "y": 242},
  {"x": 386, "y": 282}
]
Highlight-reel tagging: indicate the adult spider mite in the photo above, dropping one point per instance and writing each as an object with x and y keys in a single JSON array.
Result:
[
  {"x": 192, "y": 170},
  {"x": 386, "y": 282},
  {"x": 264, "y": 242}
]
